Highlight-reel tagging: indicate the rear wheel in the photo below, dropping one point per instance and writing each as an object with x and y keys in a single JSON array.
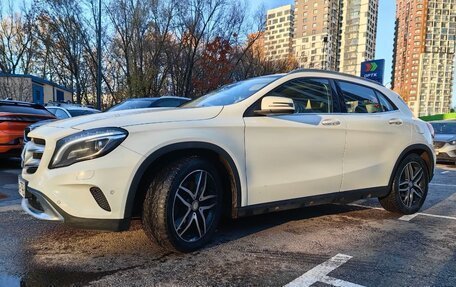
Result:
[
  {"x": 409, "y": 188},
  {"x": 183, "y": 205}
]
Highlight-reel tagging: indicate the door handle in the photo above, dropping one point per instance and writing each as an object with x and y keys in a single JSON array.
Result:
[
  {"x": 330, "y": 122},
  {"x": 396, "y": 122}
]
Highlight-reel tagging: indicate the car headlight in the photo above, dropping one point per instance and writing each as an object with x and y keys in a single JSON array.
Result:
[{"x": 86, "y": 145}]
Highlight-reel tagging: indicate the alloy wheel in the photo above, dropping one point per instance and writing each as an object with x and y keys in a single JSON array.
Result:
[
  {"x": 194, "y": 205},
  {"x": 412, "y": 184}
]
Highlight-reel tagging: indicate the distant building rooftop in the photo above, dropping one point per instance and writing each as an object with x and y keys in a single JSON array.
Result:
[{"x": 36, "y": 80}]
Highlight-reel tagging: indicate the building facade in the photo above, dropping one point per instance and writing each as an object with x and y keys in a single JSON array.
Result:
[
  {"x": 335, "y": 34},
  {"x": 424, "y": 51},
  {"x": 358, "y": 34},
  {"x": 316, "y": 33},
  {"x": 279, "y": 33},
  {"x": 30, "y": 88}
]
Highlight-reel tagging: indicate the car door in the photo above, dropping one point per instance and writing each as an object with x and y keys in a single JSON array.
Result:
[
  {"x": 377, "y": 133},
  {"x": 295, "y": 155}
]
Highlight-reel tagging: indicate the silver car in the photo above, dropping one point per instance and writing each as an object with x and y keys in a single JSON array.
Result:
[{"x": 445, "y": 140}]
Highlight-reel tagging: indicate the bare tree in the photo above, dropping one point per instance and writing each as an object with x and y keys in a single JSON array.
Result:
[
  {"x": 63, "y": 33},
  {"x": 16, "y": 39},
  {"x": 150, "y": 47}
]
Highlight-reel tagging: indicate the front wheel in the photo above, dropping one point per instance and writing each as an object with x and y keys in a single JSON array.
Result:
[
  {"x": 409, "y": 188},
  {"x": 183, "y": 205}
]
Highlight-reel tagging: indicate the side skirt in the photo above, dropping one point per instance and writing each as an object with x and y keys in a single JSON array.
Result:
[{"x": 336, "y": 197}]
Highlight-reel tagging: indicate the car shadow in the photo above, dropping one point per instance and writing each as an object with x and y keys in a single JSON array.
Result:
[
  {"x": 231, "y": 230},
  {"x": 10, "y": 163}
]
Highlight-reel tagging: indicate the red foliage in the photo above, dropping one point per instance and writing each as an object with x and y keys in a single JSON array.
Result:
[{"x": 214, "y": 66}]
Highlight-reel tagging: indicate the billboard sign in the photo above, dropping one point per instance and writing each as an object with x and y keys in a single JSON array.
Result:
[{"x": 373, "y": 70}]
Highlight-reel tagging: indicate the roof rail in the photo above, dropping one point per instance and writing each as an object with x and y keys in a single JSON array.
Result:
[{"x": 334, "y": 73}]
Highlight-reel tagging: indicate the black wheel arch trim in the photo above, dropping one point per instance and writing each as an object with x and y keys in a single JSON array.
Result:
[
  {"x": 405, "y": 152},
  {"x": 182, "y": 146}
]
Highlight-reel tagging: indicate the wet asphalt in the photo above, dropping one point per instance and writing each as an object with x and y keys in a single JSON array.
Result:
[{"x": 266, "y": 250}]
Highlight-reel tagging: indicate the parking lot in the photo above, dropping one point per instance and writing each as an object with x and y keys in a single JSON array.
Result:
[{"x": 341, "y": 245}]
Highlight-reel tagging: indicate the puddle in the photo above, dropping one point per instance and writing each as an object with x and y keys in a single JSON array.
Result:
[{"x": 55, "y": 277}]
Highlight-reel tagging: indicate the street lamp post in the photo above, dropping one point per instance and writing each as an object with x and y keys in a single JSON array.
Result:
[{"x": 99, "y": 57}]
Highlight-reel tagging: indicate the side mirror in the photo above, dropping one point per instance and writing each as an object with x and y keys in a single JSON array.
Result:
[{"x": 276, "y": 105}]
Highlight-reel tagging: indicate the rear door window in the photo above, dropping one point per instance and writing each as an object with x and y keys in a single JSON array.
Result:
[
  {"x": 386, "y": 104},
  {"x": 359, "y": 99}
]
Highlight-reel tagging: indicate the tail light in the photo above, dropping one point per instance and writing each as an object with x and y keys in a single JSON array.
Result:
[{"x": 431, "y": 129}]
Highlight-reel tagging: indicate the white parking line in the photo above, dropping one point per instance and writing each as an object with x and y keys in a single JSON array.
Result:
[
  {"x": 445, "y": 172},
  {"x": 443, "y": 184},
  {"x": 406, "y": 217},
  {"x": 411, "y": 216},
  {"x": 365, "y": 206},
  {"x": 320, "y": 274}
]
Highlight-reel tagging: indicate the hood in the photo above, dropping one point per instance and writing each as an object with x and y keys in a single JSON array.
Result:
[
  {"x": 444, "y": 137},
  {"x": 137, "y": 117}
]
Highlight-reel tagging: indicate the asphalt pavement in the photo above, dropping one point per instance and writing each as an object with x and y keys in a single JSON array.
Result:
[{"x": 340, "y": 245}]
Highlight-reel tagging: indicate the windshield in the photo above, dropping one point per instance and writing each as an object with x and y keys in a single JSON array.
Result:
[
  {"x": 133, "y": 104},
  {"x": 76, "y": 113},
  {"x": 232, "y": 93},
  {"x": 444, "y": 128}
]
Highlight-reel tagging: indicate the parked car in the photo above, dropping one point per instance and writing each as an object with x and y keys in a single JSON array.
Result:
[
  {"x": 265, "y": 144},
  {"x": 445, "y": 140},
  {"x": 14, "y": 118},
  {"x": 61, "y": 111},
  {"x": 155, "y": 102},
  {"x": 65, "y": 111}
]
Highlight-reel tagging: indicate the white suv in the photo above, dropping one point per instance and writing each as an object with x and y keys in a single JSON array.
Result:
[{"x": 265, "y": 144}]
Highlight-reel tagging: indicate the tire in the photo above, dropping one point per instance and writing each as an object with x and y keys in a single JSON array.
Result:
[
  {"x": 407, "y": 196},
  {"x": 175, "y": 216}
]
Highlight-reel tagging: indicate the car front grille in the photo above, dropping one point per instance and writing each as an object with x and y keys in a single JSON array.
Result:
[
  {"x": 438, "y": 144},
  {"x": 32, "y": 154}
]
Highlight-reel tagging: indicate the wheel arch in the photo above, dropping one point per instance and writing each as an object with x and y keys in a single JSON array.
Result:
[
  {"x": 420, "y": 149},
  {"x": 165, "y": 154}
]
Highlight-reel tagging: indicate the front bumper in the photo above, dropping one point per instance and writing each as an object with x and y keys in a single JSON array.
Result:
[
  {"x": 11, "y": 143},
  {"x": 446, "y": 153},
  {"x": 90, "y": 194},
  {"x": 41, "y": 207},
  {"x": 36, "y": 205}
]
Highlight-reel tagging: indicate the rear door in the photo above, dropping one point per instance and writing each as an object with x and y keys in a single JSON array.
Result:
[
  {"x": 377, "y": 133},
  {"x": 297, "y": 155}
]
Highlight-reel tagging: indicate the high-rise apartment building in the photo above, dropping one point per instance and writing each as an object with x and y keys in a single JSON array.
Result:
[
  {"x": 316, "y": 33},
  {"x": 279, "y": 33},
  {"x": 335, "y": 34},
  {"x": 423, "y": 64},
  {"x": 358, "y": 34}
]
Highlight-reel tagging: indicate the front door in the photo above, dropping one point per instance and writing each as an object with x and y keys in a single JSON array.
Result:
[{"x": 297, "y": 155}]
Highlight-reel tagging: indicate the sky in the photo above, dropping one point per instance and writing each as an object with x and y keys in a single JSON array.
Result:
[{"x": 385, "y": 32}]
